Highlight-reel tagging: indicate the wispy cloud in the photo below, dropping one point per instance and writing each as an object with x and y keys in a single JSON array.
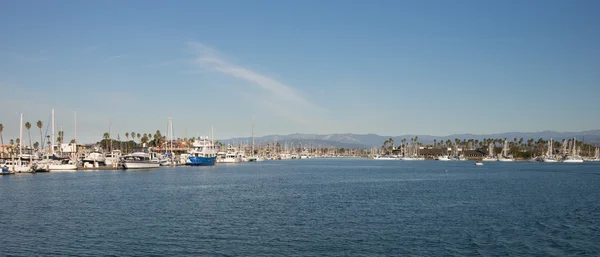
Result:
[
  {"x": 275, "y": 95},
  {"x": 114, "y": 57}
]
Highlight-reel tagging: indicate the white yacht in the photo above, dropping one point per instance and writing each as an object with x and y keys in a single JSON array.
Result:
[
  {"x": 231, "y": 156},
  {"x": 141, "y": 158}
]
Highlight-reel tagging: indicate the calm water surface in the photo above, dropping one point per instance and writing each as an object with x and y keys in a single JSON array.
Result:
[{"x": 307, "y": 208}]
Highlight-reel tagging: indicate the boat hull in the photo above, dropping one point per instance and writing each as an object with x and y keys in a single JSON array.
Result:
[
  {"x": 201, "y": 161},
  {"x": 140, "y": 165},
  {"x": 62, "y": 167},
  {"x": 573, "y": 161}
]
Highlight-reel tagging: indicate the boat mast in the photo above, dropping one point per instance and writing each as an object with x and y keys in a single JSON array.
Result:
[
  {"x": 21, "y": 137},
  {"x": 52, "y": 144},
  {"x": 252, "y": 135},
  {"x": 75, "y": 125}
]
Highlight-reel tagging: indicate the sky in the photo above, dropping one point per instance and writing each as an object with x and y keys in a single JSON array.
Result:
[{"x": 384, "y": 67}]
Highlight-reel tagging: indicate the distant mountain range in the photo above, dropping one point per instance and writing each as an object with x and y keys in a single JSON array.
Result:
[{"x": 373, "y": 140}]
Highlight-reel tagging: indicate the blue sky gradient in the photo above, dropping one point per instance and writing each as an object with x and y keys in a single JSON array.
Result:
[{"x": 385, "y": 67}]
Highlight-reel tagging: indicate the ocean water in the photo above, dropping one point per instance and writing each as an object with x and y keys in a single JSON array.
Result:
[{"x": 312, "y": 207}]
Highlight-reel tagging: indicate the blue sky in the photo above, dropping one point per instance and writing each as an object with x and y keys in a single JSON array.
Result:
[{"x": 385, "y": 67}]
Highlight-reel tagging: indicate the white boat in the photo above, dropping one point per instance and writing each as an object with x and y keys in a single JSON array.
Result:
[
  {"x": 574, "y": 157},
  {"x": 444, "y": 158},
  {"x": 285, "y": 156},
  {"x": 490, "y": 157},
  {"x": 231, "y": 156},
  {"x": 141, "y": 158},
  {"x": 504, "y": 156},
  {"x": 18, "y": 166},
  {"x": 549, "y": 156},
  {"x": 479, "y": 163},
  {"x": 64, "y": 165},
  {"x": 386, "y": 157}
]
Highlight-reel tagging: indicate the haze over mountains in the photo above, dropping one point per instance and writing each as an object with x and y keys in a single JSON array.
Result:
[{"x": 372, "y": 140}]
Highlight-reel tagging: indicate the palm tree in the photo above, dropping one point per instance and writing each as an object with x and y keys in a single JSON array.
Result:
[
  {"x": 28, "y": 127},
  {"x": 39, "y": 125},
  {"x": 133, "y": 136},
  {"x": 1, "y": 129},
  {"x": 127, "y": 135},
  {"x": 144, "y": 139},
  {"x": 106, "y": 136},
  {"x": 36, "y": 145},
  {"x": 139, "y": 136}
]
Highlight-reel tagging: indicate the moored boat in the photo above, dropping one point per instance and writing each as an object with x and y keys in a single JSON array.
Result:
[
  {"x": 141, "y": 158},
  {"x": 202, "y": 153}
]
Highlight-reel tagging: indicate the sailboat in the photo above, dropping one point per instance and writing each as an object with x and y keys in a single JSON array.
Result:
[
  {"x": 490, "y": 157},
  {"x": 19, "y": 165},
  {"x": 505, "y": 157},
  {"x": 574, "y": 156},
  {"x": 549, "y": 157}
]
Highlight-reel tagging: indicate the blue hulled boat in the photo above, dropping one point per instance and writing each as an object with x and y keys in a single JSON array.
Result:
[{"x": 202, "y": 153}]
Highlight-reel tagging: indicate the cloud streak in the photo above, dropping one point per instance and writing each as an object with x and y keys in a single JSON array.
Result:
[{"x": 275, "y": 95}]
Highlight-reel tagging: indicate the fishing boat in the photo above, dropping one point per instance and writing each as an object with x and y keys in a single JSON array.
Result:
[
  {"x": 202, "y": 153},
  {"x": 141, "y": 158}
]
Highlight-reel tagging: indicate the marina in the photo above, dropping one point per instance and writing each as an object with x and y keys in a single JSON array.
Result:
[{"x": 157, "y": 150}]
